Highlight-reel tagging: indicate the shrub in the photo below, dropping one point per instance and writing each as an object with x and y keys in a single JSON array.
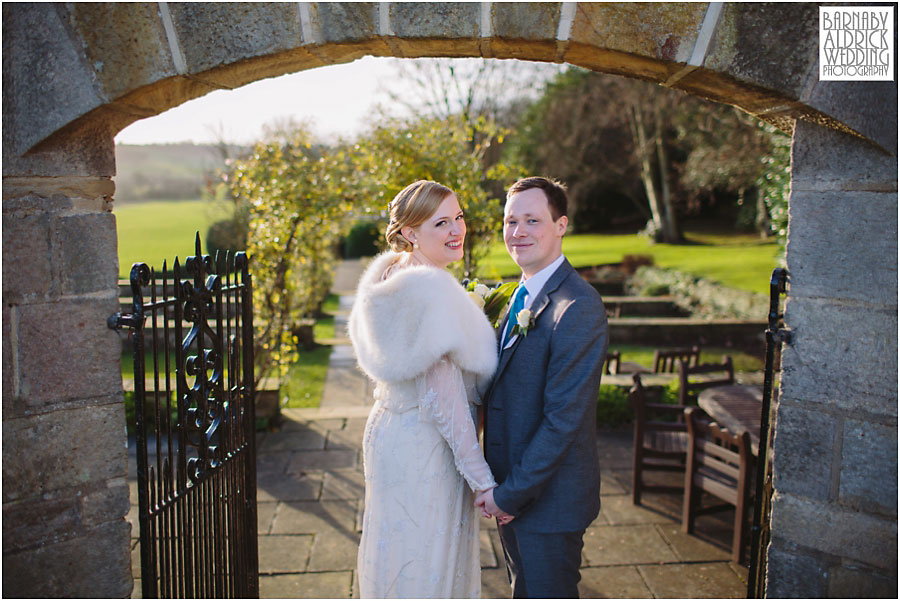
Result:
[
  {"x": 362, "y": 240},
  {"x": 630, "y": 263},
  {"x": 226, "y": 235},
  {"x": 612, "y": 406}
]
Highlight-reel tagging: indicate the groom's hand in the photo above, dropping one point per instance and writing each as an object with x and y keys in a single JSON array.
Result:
[{"x": 485, "y": 501}]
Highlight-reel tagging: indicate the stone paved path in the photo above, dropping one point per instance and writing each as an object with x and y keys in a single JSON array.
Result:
[{"x": 310, "y": 502}]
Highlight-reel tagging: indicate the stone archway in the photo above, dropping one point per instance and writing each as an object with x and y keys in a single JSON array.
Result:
[{"x": 75, "y": 74}]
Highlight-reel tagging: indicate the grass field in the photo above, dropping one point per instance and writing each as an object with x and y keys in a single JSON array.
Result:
[
  {"x": 156, "y": 230},
  {"x": 740, "y": 261},
  {"x": 159, "y": 230}
]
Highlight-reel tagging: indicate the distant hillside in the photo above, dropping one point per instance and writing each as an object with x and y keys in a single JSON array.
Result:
[{"x": 165, "y": 171}]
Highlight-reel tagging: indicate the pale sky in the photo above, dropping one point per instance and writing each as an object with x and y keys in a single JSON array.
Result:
[{"x": 337, "y": 98}]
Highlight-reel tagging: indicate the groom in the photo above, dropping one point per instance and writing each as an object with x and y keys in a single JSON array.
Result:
[{"x": 540, "y": 419}]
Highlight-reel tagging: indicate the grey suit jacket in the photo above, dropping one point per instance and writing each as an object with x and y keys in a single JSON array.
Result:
[{"x": 540, "y": 420}]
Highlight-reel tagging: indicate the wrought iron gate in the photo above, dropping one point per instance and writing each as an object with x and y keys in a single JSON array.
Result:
[
  {"x": 760, "y": 534},
  {"x": 195, "y": 427}
]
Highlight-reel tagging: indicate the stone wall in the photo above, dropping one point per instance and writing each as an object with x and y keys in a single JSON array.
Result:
[
  {"x": 835, "y": 511},
  {"x": 64, "y": 464},
  {"x": 74, "y": 74}
]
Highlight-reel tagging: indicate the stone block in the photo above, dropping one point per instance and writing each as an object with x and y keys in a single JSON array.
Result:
[
  {"x": 95, "y": 565},
  {"x": 344, "y": 484},
  {"x": 41, "y": 66},
  {"x": 690, "y": 548},
  {"x": 620, "y": 511},
  {"x": 621, "y": 582},
  {"x": 299, "y": 440},
  {"x": 833, "y": 234},
  {"x": 657, "y": 31},
  {"x": 36, "y": 523},
  {"x": 805, "y": 445},
  {"x": 215, "y": 34},
  {"x": 284, "y": 553},
  {"x": 272, "y": 486},
  {"x": 495, "y": 584},
  {"x": 856, "y": 582},
  {"x": 852, "y": 534},
  {"x": 273, "y": 462},
  {"x": 620, "y": 545},
  {"x": 27, "y": 271},
  {"x": 750, "y": 40},
  {"x": 62, "y": 450},
  {"x": 842, "y": 355},
  {"x": 87, "y": 148},
  {"x": 67, "y": 352},
  {"x": 85, "y": 251},
  {"x": 57, "y": 194},
  {"x": 334, "y": 550},
  {"x": 322, "y": 460},
  {"x": 325, "y": 585},
  {"x": 869, "y": 467},
  {"x": 537, "y": 21},
  {"x": 10, "y": 362},
  {"x": 487, "y": 556},
  {"x": 310, "y": 517},
  {"x": 343, "y": 22},
  {"x": 826, "y": 159},
  {"x": 265, "y": 513},
  {"x": 105, "y": 504},
  {"x": 166, "y": 94},
  {"x": 435, "y": 19},
  {"x": 125, "y": 44},
  {"x": 792, "y": 573},
  {"x": 693, "y": 580},
  {"x": 868, "y": 107}
]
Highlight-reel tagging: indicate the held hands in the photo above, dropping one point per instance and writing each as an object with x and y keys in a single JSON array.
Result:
[{"x": 485, "y": 502}]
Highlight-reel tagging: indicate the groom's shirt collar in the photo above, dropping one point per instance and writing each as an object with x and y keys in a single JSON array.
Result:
[{"x": 534, "y": 284}]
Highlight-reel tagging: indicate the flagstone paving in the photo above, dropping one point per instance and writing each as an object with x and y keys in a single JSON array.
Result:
[{"x": 310, "y": 492}]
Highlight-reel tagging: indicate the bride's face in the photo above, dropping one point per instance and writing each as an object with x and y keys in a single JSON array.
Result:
[{"x": 441, "y": 236}]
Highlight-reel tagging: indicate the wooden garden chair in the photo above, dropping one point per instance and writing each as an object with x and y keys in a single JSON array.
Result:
[
  {"x": 659, "y": 445},
  {"x": 666, "y": 360},
  {"x": 711, "y": 374},
  {"x": 719, "y": 463}
]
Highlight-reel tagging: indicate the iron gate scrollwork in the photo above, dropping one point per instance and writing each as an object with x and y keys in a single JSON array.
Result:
[
  {"x": 196, "y": 453},
  {"x": 760, "y": 533}
]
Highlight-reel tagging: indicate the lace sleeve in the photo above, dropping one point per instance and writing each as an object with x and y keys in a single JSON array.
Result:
[{"x": 443, "y": 400}]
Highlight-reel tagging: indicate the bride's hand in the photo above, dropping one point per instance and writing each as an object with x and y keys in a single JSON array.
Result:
[
  {"x": 504, "y": 520},
  {"x": 479, "y": 502}
]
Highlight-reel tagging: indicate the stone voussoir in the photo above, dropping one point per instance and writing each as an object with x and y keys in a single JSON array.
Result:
[{"x": 858, "y": 536}]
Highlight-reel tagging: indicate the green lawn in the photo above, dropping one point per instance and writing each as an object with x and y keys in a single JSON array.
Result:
[
  {"x": 739, "y": 261},
  {"x": 154, "y": 231},
  {"x": 644, "y": 356}
]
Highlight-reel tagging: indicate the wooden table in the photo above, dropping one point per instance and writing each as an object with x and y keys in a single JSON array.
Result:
[
  {"x": 736, "y": 407},
  {"x": 647, "y": 380}
]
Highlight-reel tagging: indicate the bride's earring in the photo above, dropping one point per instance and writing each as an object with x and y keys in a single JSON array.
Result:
[{"x": 416, "y": 245}]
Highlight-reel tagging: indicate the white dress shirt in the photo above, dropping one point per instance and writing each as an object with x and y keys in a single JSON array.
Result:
[{"x": 533, "y": 286}]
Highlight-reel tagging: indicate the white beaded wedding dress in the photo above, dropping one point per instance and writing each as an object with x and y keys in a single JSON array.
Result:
[{"x": 429, "y": 350}]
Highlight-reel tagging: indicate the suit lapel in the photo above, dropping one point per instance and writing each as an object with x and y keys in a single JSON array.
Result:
[{"x": 540, "y": 303}]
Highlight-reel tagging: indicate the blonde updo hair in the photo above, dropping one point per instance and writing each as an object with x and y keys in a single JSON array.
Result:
[{"x": 410, "y": 208}]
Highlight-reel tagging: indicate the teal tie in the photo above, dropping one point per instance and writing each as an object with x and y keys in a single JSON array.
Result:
[{"x": 518, "y": 305}]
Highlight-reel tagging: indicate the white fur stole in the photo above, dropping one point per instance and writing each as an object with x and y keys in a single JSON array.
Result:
[{"x": 401, "y": 326}]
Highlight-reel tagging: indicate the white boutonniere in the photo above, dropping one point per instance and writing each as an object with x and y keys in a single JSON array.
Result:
[{"x": 524, "y": 322}]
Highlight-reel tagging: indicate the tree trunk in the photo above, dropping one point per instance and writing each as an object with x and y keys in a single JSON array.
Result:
[
  {"x": 639, "y": 134},
  {"x": 763, "y": 224},
  {"x": 671, "y": 233}
]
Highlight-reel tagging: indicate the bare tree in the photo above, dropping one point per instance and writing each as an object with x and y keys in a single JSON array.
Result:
[{"x": 467, "y": 88}]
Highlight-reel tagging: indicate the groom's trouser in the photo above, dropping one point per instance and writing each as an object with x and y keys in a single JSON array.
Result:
[{"x": 542, "y": 565}]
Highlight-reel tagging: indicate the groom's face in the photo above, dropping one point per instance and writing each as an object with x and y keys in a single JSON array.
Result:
[{"x": 533, "y": 239}]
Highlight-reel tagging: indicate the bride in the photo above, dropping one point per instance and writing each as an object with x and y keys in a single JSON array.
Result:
[{"x": 430, "y": 350}]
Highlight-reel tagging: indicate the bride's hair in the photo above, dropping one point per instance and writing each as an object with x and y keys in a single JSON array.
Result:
[{"x": 411, "y": 207}]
